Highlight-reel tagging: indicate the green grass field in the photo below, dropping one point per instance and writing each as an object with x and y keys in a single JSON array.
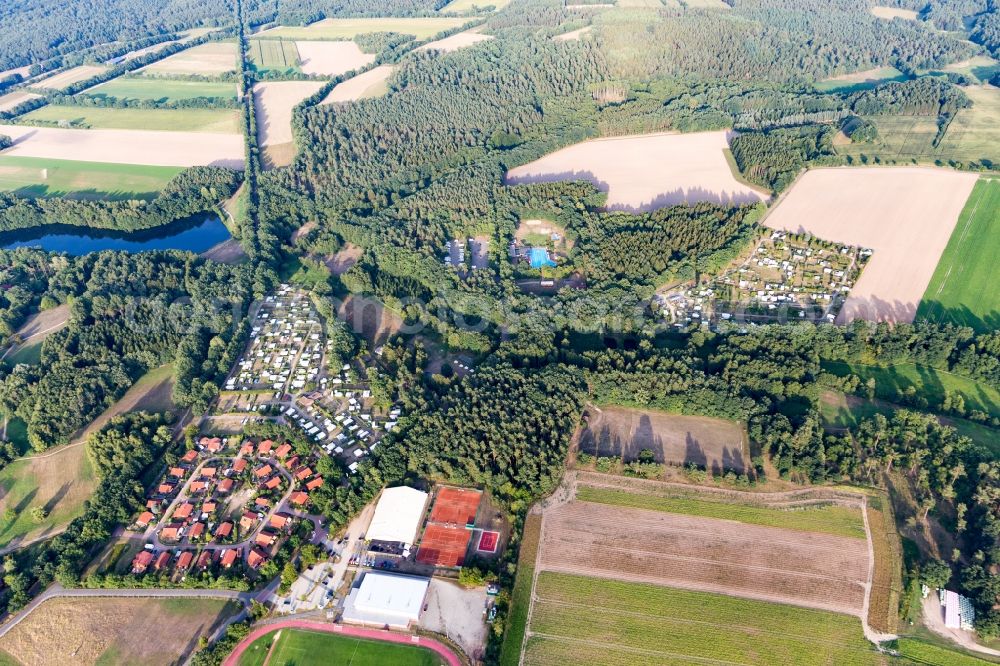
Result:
[
  {"x": 30, "y": 354},
  {"x": 348, "y": 28},
  {"x": 579, "y": 620},
  {"x": 39, "y": 176},
  {"x": 177, "y": 120},
  {"x": 963, "y": 289},
  {"x": 274, "y": 54},
  {"x": 927, "y": 382},
  {"x": 858, "y": 82},
  {"x": 17, "y": 432},
  {"x": 828, "y": 519},
  {"x": 296, "y": 647},
  {"x": 520, "y": 601},
  {"x": 162, "y": 89},
  {"x": 922, "y": 652}
]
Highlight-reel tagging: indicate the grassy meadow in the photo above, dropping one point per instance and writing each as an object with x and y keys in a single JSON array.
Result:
[
  {"x": 349, "y": 28},
  {"x": 178, "y": 120},
  {"x": 860, "y": 81},
  {"x": 583, "y": 620},
  {"x": 296, "y": 647},
  {"x": 963, "y": 289},
  {"x": 828, "y": 519},
  {"x": 162, "y": 90},
  {"x": 39, "y": 176}
]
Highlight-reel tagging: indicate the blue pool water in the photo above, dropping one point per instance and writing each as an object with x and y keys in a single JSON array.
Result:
[
  {"x": 538, "y": 257},
  {"x": 196, "y": 234}
]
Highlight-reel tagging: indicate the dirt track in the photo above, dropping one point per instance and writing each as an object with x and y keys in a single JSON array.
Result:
[
  {"x": 904, "y": 214},
  {"x": 800, "y": 568},
  {"x": 646, "y": 172}
]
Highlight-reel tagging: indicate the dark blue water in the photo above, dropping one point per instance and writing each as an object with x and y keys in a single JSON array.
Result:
[{"x": 196, "y": 234}]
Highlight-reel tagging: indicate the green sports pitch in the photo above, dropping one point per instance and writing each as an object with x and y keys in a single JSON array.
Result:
[
  {"x": 43, "y": 177},
  {"x": 297, "y": 647},
  {"x": 963, "y": 289}
]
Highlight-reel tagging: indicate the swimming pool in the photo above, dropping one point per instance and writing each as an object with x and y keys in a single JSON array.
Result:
[{"x": 538, "y": 257}]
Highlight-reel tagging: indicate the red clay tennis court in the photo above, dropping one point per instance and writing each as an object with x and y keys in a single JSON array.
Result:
[
  {"x": 488, "y": 542},
  {"x": 443, "y": 546},
  {"x": 456, "y": 506}
]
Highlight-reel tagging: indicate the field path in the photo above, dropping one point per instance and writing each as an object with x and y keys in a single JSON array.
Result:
[
  {"x": 437, "y": 647},
  {"x": 872, "y": 635}
]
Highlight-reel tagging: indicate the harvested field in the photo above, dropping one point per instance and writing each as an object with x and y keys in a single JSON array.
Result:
[
  {"x": 63, "y": 80},
  {"x": 349, "y": 28},
  {"x": 331, "y": 58},
  {"x": 118, "y": 631},
  {"x": 456, "y": 41},
  {"x": 974, "y": 134},
  {"x": 573, "y": 35},
  {"x": 722, "y": 556},
  {"x": 147, "y": 88},
  {"x": 579, "y": 620},
  {"x": 206, "y": 59},
  {"x": 41, "y": 177},
  {"x": 274, "y": 101},
  {"x": 621, "y": 432},
  {"x": 220, "y": 121},
  {"x": 127, "y": 146},
  {"x": 642, "y": 173},
  {"x": 11, "y": 100},
  {"x": 373, "y": 83},
  {"x": 59, "y": 480},
  {"x": 904, "y": 214},
  {"x": 890, "y": 13}
]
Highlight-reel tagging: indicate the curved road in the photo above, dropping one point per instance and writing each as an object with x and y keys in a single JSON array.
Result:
[{"x": 437, "y": 647}]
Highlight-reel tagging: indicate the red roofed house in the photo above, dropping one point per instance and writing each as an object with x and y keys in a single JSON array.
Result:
[
  {"x": 184, "y": 511},
  {"x": 208, "y": 506},
  {"x": 315, "y": 483},
  {"x": 239, "y": 465},
  {"x": 214, "y": 444},
  {"x": 283, "y": 450},
  {"x": 178, "y": 472},
  {"x": 262, "y": 502},
  {"x": 292, "y": 462},
  {"x": 184, "y": 561},
  {"x": 279, "y": 521},
  {"x": 246, "y": 449},
  {"x": 303, "y": 473},
  {"x": 255, "y": 558},
  {"x": 248, "y": 519},
  {"x": 273, "y": 482},
  {"x": 162, "y": 561},
  {"x": 261, "y": 472},
  {"x": 145, "y": 518},
  {"x": 205, "y": 559},
  {"x": 171, "y": 533},
  {"x": 228, "y": 558},
  {"x": 300, "y": 498},
  {"x": 265, "y": 447},
  {"x": 190, "y": 456},
  {"x": 142, "y": 562},
  {"x": 153, "y": 504},
  {"x": 209, "y": 472},
  {"x": 225, "y": 485},
  {"x": 196, "y": 531},
  {"x": 265, "y": 538},
  {"x": 198, "y": 486},
  {"x": 225, "y": 529},
  {"x": 165, "y": 488}
]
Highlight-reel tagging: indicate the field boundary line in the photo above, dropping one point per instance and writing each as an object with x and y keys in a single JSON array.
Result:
[{"x": 635, "y": 650}]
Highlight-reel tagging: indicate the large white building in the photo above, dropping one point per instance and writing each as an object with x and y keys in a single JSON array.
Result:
[
  {"x": 398, "y": 515},
  {"x": 386, "y": 599}
]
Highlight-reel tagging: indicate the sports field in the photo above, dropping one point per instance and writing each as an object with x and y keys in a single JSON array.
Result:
[
  {"x": 297, "y": 647},
  {"x": 348, "y": 28},
  {"x": 963, "y": 289},
  {"x": 929, "y": 383},
  {"x": 58, "y": 480},
  {"x": 582, "y": 620},
  {"x": 39, "y": 176},
  {"x": 218, "y": 121},
  {"x": 163, "y": 90},
  {"x": 274, "y": 54}
]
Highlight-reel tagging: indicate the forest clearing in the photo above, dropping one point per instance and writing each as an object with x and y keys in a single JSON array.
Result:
[
  {"x": 810, "y": 569},
  {"x": 331, "y": 58},
  {"x": 573, "y": 35},
  {"x": 225, "y": 121},
  {"x": 349, "y": 28},
  {"x": 113, "y": 630},
  {"x": 372, "y": 83},
  {"x": 890, "y": 13},
  {"x": 578, "y": 619},
  {"x": 64, "y": 79},
  {"x": 853, "y": 81},
  {"x": 207, "y": 59},
  {"x": 674, "y": 439},
  {"x": 151, "y": 147},
  {"x": 642, "y": 173},
  {"x": 274, "y": 101},
  {"x": 456, "y": 41},
  {"x": 904, "y": 214},
  {"x": 37, "y": 176}
]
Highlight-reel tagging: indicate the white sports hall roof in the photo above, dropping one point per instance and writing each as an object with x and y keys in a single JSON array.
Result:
[
  {"x": 386, "y": 599},
  {"x": 398, "y": 515}
]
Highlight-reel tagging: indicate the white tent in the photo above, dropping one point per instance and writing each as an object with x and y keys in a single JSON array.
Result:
[{"x": 397, "y": 515}]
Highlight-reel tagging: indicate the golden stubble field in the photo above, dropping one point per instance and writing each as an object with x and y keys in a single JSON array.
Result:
[
  {"x": 372, "y": 83},
  {"x": 904, "y": 214},
  {"x": 274, "y": 101},
  {"x": 331, "y": 58},
  {"x": 646, "y": 172}
]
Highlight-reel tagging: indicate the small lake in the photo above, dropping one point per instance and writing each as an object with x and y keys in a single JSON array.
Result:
[{"x": 195, "y": 234}]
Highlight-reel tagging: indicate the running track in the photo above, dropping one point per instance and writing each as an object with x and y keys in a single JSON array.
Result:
[{"x": 372, "y": 634}]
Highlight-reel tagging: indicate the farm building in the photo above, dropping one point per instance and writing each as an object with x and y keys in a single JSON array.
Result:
[
  {"x": 958, "y": 611},
  {"x": 386, "y": 599},
  {"x": 398, "y": 515}
]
